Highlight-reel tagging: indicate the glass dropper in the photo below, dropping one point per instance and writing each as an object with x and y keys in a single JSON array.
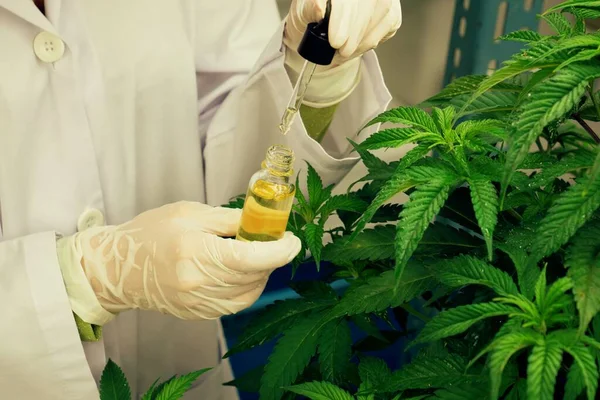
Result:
[
  {"x": 316, "y": 50},
  {"x": 308, "y": 69}
]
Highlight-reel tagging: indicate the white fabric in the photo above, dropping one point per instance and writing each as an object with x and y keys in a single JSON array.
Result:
[
  {"x": 153, "y": 102},
  {"x": 173, "y": 259}
]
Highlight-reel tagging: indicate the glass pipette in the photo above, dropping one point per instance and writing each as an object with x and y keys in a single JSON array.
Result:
[
  {"x": 308, "y": 69},
  {"x": 316, "y": 50}
]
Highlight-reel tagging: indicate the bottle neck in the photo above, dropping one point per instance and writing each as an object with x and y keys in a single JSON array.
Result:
[{"x": 279, "y": 161}]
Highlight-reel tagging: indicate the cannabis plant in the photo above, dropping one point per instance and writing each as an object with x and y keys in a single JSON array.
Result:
[
  {"x": 114, "y": 385},
  {"x": 489, "y": 275}
]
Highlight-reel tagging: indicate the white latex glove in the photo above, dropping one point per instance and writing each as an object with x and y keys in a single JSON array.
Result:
[
  {"x": 172, "y": 259},
  {"x": 355, "y": 27}
]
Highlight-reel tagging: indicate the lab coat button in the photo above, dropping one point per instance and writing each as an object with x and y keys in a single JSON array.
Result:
[
  {"x": 89, "y": 219},
  {"x": 48, "y": 47}
]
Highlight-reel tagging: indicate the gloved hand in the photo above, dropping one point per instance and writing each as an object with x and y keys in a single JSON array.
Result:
[
  {"x": 355, "y": 27},
  {"x": 172, "y": 259}
]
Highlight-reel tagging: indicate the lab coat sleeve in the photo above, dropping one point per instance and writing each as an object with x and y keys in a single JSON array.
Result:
[
  {"x": 244, "y": 124},
  {"x": 41, "y": 355}
]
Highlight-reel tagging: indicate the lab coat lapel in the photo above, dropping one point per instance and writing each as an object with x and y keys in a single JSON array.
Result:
[{"x": 27, "y": 10}]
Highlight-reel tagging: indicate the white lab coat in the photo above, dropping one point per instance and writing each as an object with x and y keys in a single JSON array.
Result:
[{"x": 153, "y": 101}]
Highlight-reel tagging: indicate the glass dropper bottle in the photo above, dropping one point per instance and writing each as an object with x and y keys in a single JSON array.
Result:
[{"x": 316, "y": 50}]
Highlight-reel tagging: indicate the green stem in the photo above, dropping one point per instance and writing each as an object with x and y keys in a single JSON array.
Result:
[
  {"x": 588, "y": 128},
  {"x": 408, "y": 308},
  {"x": 538, "y": 142}
]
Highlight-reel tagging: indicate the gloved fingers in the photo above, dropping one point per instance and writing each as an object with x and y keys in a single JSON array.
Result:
[
  {"x": 193, "y": 273},
  {"x": 256, "y": 256},
  {"x": 341, "y": 22},
  {"x": 310, "y": 11},
  {"x": 216, "y": 220},
  {"x": 383, "y": 29}
]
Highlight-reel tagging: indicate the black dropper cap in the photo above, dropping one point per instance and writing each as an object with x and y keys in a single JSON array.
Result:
[{"x": 315, "y": 46}]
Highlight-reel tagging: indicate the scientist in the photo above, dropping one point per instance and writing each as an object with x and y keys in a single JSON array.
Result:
[{"x": 120, "y": 120}]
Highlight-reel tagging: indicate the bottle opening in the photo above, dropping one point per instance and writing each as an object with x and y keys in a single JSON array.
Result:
[{"x": 280, "y": 160}]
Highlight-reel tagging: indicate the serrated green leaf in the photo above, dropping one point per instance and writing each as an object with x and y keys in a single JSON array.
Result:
[
  {"x": 149, "y": 393},
  {"x": 373, "y": 372},
  {"x": 518, "y": 391},
  {"x": 569, "y": 163},
  {"x": 550, "y": 100},
  {"x": 371, "y": 244},
  {"x": 274, "y": 320},
  {"x": 575, "y": 383},
  {"x": 502, "y": 349},
  {"x": 468, "y": 270},
  {"x": 583, "y": 261},
  {"x": 369, "y": 160},
  {"x": 543, "y": 364},
  {"x": 387, "y": 212},
  {"x": 378, "y": 293},
  {"x": 335, "y": 350},
  {"x": 314, "y": 238},
  {"x": 411, "y": 116},
  {"x": 568, "y": 213},
  {"x": 314, "y": 290},
  {"x": 584, "y": 13},
  {"x": 472, "y": 128},
  {"x": 396, "y": 137},
  {"x": 559, "y": 23},
  {"x": 582, "y": 55},
  {"x": 342, "y": 202},
  {"x": 113, "y": 383},
  {"x": 572, "y": 5},
  {"x": 443, "y": 118},
  {"x": 428, "y": 372},
  {"x": 527, "y": 275},
  {"x": 397, "y": 184},
  {"x": 540, "y": 289},
  {"x": 457, "y": 320},
  {"x": 416, "y": 216},
  {"x": 315, "y": 188},
  {"x": 248, "y": 382},
  {"x": 464, "y": 392},
  {"x": 176, "y": 388},
  {"x": 585, "y": 360},
  {"x": 525, "y": 36},
  {"x": 498, "y": 104},
  {"x": 468, "y": 85},
  {"x": 485, "y": 204},
  {"x": 538, "y": 55},
  {"x": 593, "y": 174},
  {"x": 320, "y": 391},
  {"x": 291, "y": 355}
]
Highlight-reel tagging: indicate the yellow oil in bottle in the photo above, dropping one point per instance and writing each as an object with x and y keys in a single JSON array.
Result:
[
  {"x": 266, "y": 212},
  {"x": 269, "y": 199}
]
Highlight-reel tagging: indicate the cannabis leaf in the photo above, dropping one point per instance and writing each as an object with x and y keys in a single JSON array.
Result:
[
  {"x": 274, "y": 320},
  {"x": 335, "y": 350},
  {"x": 373, "y": 372},
  {"x": 316, "y": 193},
  {"x": 525, "y": 36},
  {"x": 457, "y": 320},
  {"x": 411, "y": 116},
  {"x": 575, "y": 383},
  {"x": 485, "y": 204},
  {"x": 371, "y": 244},
  {"x": 320, "y": 391},
  {"x": 468, "y": 270},
  {"x": 113, "y": 383},
  {"x": 550, "y": 100},
  {"x": 291, "y": 355},
  {"x": 396, "y": 137},
  {"x": 313, "y": 234},
  {"x": 559, "y": 23},
  {"x": 567, "y": 214},
  {"x": 584, "y": 359},
  {"x": 381, "y": 292},
  {"x": 176, "y": 387},
  {"x": 543, "y": 364},
  {"x": 416, "y": 216},
  {"x": 503, "y": 348},
  {"x": 583, "y": 261},
  {"x": 430, "y": 371}
]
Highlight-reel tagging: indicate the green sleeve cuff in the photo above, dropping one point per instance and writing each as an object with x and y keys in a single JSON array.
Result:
[
  {"x": 88, "y": 332},
  {"x": 317, "y": 120}
]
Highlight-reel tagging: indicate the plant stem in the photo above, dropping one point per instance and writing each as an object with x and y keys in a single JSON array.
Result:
[
  {"x": 588, "y": 128},
  {"x": 538, "y": 142},
  {"x": 409, "y": 309}
]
